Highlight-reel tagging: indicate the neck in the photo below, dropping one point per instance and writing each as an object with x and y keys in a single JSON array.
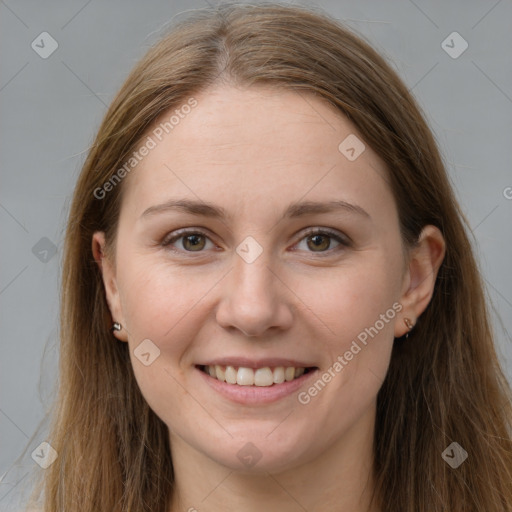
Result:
[{"x": 339, "y": 479}]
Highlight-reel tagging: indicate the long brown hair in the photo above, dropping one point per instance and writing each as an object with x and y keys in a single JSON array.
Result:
[{"x": 444, "y": 384}]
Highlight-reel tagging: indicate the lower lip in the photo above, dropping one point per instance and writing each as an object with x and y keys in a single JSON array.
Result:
[{"x": 256, "y": 394}]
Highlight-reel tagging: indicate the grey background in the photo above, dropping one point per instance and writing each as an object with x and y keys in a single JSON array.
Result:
[{"x": 51, "y": 108}]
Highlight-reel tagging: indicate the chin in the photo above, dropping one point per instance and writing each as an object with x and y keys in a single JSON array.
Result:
[{"x": 257, "y": 454}]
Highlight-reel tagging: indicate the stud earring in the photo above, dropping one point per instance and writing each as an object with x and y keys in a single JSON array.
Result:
[
  {"x": 409, "y": 326},
  {"x": 116, "y": 326}
]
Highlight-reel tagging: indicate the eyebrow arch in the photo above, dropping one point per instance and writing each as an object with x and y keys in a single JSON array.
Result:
[{"x": 294, "y": 210}]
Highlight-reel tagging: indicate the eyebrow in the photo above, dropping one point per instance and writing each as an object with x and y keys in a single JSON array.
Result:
[{"x": 294, "y": 210}]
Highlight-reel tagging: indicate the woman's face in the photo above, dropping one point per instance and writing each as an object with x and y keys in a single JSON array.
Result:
[{"x": 258, "y": 271}]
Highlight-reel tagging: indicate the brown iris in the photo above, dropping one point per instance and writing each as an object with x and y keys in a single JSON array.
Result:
[
  {"x": 197, "y": 242},
  {"x": 317, "y": 242}
]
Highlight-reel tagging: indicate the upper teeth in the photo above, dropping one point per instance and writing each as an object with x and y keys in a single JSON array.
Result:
[{"x": 249, "y": 377}]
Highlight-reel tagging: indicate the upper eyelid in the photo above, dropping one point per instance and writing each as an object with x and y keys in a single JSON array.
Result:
[{"x": 179, "y": 233}]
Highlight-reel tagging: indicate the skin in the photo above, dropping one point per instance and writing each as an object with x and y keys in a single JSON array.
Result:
[{"x": 253, "y": 151}]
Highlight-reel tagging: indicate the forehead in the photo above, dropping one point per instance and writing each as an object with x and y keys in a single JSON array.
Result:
[{"x": 241, "y": 144}]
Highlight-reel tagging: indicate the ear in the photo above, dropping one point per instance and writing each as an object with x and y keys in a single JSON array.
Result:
[
  {"x": 107, "y": 269},
  {"x": 424, "y": 261}
]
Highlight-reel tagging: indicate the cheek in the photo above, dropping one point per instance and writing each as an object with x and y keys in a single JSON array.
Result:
[
  {"x": 358, "y": 307},
  {"x": 157, "y": 297},
  {"x": 349, "y": 300},
  {"x": 161, "y": 305}
]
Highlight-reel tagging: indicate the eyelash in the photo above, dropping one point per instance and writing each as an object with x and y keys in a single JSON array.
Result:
[{"x": 343, "y": 241}]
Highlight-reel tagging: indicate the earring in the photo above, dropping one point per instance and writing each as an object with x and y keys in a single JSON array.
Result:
[
  {"x": 116, "y": 326},
  {"x": 409, "y": 325}
]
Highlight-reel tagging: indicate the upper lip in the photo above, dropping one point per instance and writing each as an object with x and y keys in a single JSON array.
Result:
[{"x": 248, "y": 362}]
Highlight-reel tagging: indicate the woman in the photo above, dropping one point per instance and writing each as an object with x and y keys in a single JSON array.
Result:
[{"x": 269, "y": 296}]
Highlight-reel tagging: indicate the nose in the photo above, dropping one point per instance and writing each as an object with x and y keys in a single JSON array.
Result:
[{"x": 255, "y": 298}]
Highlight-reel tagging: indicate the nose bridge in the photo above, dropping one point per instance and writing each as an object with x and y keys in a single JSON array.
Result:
[{"x": 252, "y": 277}]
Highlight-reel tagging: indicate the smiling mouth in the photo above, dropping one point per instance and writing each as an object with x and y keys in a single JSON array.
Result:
[{"x": 263, "y": 377}]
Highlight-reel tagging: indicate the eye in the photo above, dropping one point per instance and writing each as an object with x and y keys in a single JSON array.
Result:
[
  {"x": 192, "y": 241},
  {"x": 320, "y": 240}
]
